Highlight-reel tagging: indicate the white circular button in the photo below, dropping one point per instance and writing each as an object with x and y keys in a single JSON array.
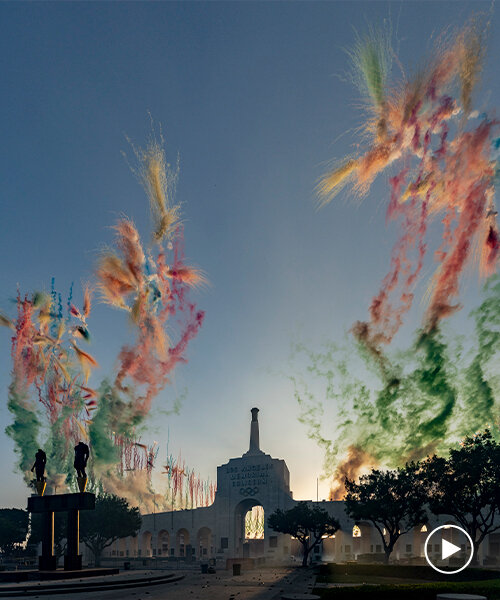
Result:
[{"x": 448, "y": 549}]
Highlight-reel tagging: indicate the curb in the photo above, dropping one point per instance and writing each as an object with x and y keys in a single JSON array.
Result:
[{"x": 78, "y": 588}]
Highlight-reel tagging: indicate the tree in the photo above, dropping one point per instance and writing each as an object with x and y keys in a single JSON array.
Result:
[
  {"x": 111, "y": 520},
  {"x": 306, "y": 524},
  {"x": 393, "y": 501},
  {"x": 13, "y": 528},
  {"x": 466, "y": 486}
]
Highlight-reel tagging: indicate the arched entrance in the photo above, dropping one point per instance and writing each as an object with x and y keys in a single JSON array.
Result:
[
  {"x": 249, "y": 528},
  {"x": 122, "y": 547},
  {"x": 204, "y": 543},
  {"x": 183, "y": 547},
  {"x": 163, "y": 544},
  {"x": 361, "y": 539},
  {"x": 146, "y": 544},
  {"x": 133, "y": 544}
]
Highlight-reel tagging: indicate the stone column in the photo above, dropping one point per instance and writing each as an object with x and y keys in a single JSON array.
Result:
[
  {"x": 254, "y": 432},
  {"x": 47, "y": 560},
  {"x": 72, "y": 559}
]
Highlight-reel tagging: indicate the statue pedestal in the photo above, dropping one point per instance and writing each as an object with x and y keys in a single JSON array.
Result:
[
  {"x": 82, "y": 483},
  {"x": 71, "y": 504},
  {"x": 40, "y": 487},
  {"x": 47, "y": 563},
  {"x": 73, "y": 562}
]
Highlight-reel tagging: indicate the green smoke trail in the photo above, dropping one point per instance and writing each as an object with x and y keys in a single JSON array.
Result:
[
  {"x": 371, "y": 59},
  {"x": 481, "y": 381},
  {"x": 25, "y": 428},
  {"x": 60, "y": 471},
  {"x": 424, "y": 400},
  {"x": 116, "y": 416},
  {"x": 433, "y": 393},
  {"x": 104, "y": 424}
]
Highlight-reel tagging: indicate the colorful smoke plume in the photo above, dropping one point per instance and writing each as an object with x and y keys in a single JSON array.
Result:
[
  {"x": 443, "y": 161},
  {"x": 50, "y": 374},
  {"x": 442, "y": 388},
  {"x": 50, "y": 387}
]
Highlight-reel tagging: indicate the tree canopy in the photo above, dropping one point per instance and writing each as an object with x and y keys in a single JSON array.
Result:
[
  {"x": 112, "y": 519},
  {"x": 393, "y": 501},
  {"x": 466, "y": 486},
  {"x": 13, "y": 528},
  {"x": 307, "y": 524}
]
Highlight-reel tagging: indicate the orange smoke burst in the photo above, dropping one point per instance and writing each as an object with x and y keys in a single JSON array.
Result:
[{"x": 357, "y": 462}]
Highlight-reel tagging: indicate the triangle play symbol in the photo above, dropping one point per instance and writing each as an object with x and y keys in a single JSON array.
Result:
[{"x": 448, "y": 549}]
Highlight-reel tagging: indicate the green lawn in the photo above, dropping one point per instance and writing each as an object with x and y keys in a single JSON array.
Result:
[
  {"x": 344, "y": 578},
  {"x": 404, "y": 581},
  {"x": 330, "y": 572}
]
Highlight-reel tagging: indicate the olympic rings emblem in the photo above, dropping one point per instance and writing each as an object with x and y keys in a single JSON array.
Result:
[{"x": 249, "y": 491}]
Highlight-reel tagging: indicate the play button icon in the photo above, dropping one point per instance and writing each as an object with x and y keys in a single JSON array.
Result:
[
  {"x": 442, "y": 543},
  {"x": 448, "y": 549}
]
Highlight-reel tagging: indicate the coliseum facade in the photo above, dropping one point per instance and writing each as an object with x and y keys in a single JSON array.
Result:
[{"x": 256, "y": 479}]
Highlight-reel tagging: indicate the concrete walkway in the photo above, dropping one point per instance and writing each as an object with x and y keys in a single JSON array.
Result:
[{"x": 264, "y": 584}]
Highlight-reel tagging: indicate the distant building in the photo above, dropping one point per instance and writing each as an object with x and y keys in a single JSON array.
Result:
[{"x": 249, "y": 489}]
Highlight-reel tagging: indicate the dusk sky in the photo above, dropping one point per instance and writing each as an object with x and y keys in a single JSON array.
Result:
[{"x": 255, "y": 99}]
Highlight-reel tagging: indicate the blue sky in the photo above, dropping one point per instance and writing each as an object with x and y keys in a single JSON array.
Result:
[{"x": 254, "y": 98}]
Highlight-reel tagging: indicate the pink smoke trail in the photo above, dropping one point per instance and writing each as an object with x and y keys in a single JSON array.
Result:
[{"x": 425, "y": 128}]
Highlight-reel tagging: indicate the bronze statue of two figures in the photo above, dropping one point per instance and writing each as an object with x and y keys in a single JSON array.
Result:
[
  {"x": 80, "y": 463},
  {"x": 71, "y": 504}
]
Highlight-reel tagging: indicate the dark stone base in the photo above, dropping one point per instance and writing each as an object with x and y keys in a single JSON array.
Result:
[
  {"x": 47, "y": 563},
  {"x": 30, "y": 575},
  {"x": 78, "y": 574},
  {"x": 18, "y": 576},
  {"x": 73, "y": 563}
]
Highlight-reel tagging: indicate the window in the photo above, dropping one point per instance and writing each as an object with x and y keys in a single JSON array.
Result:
[
  {"x": 408, "y": 548},
  {"x": 224, "y": 543},
  {"x": 347, "y": 548},
  {"x": 378, "y": 548},
  {"x": 273, "y": 541},
  {"x": 371, "y": 548},
  {"x": 437, "y": 547},
  {"x": 423, "y": 529},
  {"x": 356, "y": 531}
]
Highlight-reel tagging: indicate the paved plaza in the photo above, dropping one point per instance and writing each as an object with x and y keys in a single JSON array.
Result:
[{"x": 264, "y": 584}]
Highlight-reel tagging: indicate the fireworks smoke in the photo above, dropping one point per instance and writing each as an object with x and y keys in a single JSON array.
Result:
[
  {"x": 445, "y": 166},
  {"x": 444, "y": 158},
  {"x": 50, "y": 393},
  {"x": 428, "y": 397}
]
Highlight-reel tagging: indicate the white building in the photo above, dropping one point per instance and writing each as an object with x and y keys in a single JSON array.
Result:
[{"x": 257, "y": 480}]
